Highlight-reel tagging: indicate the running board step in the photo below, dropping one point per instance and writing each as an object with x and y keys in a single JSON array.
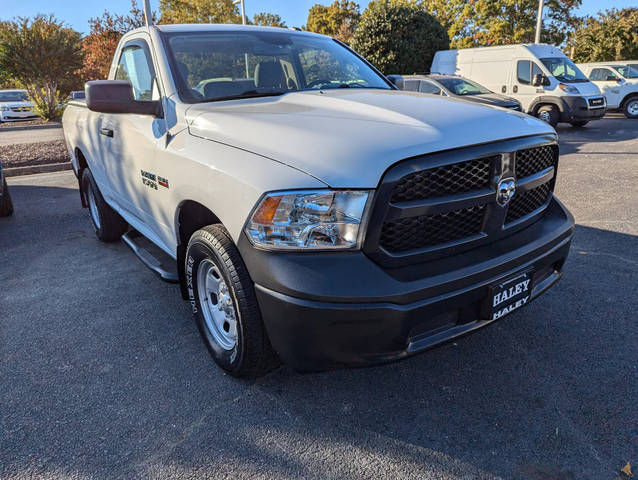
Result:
[{"x": 152, "y": 256}]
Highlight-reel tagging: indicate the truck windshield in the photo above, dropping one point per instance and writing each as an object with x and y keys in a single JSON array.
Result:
[
  {"x": 215, "y": 66},
  {"x": 626, "y": 71},
  {"x": 13, "y": 97},
  {"x": 564, "y": 70},
  {"x": 461, "y": 86}
]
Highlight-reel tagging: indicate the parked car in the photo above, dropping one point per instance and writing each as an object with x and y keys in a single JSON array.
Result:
[
  {"x": 6, "y": 205},
  {"x": 310, "y": 210},
  {"x": 454, "y": 86},
  {"x": 77, "y": 95},
  {"x": 547, "y": 83},
  {"x": 618, "y": 82},
  {"x": 15, "y": 105}
]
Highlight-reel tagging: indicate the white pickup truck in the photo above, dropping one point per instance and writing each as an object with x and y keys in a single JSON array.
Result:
[{"x": 312, "y": 212}]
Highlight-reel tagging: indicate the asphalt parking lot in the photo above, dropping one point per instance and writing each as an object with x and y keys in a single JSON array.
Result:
[{"x": 103, "y": 374}]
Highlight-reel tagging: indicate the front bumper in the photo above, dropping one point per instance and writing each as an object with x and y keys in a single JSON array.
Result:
[
  {"x": 11, "y": 116},
  {"x": 327, "y": 310},
  {"x": 579, "y": 109}
]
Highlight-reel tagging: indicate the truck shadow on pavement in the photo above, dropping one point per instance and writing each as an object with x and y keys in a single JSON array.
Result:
[{"x": 103, "y": 375}]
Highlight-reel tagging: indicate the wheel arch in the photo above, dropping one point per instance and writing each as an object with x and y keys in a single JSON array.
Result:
[
  {"x": 82, "y": 164},
  {"x": 190, "y": 216},
  {"x": 542, "y": 101}
]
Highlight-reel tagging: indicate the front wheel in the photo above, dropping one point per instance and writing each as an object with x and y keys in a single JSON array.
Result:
[
  {"x": 223, "y": 300},
  {"x": 630, "y": 108},
  {"x": 580, "y": 123},
  {"x": 6, "y": 205},
  {"x": 549, "y": 114}
]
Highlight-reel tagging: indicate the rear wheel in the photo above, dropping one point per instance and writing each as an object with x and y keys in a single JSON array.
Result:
[
  {"x": 580, "y": 123},
  {"x": 549, "y": 114},
  {"x": 6, "y": 205},
  {"x": 223, "y": 300},
  {"x": 109, "y": 226},
  {"x": 630, "y": 108}
]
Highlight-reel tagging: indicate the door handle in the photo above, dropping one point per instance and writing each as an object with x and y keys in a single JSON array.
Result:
[
  {"x": 515, "y": 88},
  {"x": 107, "y": 132},
  {"x": 503, "y": 89}
]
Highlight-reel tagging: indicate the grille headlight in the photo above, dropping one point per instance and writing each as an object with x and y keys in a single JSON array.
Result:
[{"x": 320, "y": 219}]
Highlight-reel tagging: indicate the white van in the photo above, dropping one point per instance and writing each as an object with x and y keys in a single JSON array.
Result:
[
  {"x": 547, "y": 83},
  {"x": 618, "y": 82}
]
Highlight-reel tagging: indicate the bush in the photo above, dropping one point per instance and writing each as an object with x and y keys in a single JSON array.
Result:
[{"x": 399, "y": 37}]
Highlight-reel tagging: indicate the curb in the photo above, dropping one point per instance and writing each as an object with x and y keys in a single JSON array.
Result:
[
  {"x": 31, "y": 127},
  {"x": 52, "y": 167}
]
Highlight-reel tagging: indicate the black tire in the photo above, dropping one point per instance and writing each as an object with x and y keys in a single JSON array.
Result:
[
  {"x": 579, "y": 123},
  {"x": 549, "y": 114},
  {"x": 109, "y": 226},
  {"x": 6, "y": 205},
  {"x": 630, "y": 107},
  {"x": 250, "y": 354}
]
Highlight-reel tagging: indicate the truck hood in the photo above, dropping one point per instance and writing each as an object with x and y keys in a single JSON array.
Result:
[{"x": 348, "y": 138}]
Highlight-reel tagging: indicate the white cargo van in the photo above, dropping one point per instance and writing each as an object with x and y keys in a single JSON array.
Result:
[
  {"x": 618, "y": 82},
  {"x": 547, "y": 83}
]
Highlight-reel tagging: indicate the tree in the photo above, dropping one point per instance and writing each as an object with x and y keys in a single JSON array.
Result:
[
  {"x": 100, "y": 44},
  {"x": 337, "y": 20},
  {"x": 42, "y": 55},
  {"x": 499, "y": 22},
  {"x": 611, "y": 36},
  {"x": 398, "y": 36},
  {"x": 268, "y": 20},
  {"x": 199, "y": 11}
]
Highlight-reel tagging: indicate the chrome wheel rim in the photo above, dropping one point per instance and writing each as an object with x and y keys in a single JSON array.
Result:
[
  {"x": 545, "y": 116},
  {"x": 632, "y": 108},
  {"x": 95, "y": 214},
  {"x": 217, "y": 305}
]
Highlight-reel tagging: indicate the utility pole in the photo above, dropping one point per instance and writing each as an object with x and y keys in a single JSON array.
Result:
[
  {"x": 243, "y": 10},
  {"x": 539, "y": 21}
]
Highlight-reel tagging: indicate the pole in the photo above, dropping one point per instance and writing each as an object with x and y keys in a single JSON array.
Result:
[
  {"x": 243, "y": 10},
  {"x": 539, "y": 21}
]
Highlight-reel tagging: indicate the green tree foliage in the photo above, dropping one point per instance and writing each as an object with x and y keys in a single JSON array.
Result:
[
  {"x": 611, "y": 36},
  {"x": 398, "y": 36},
  {"x": 104, "y": 35},
  {"x": 43, "y": 56},
  {"x": 500, "y": 22},
  {"x": 199, "y": 11},
  {"x": 268, "y": 20},
  {"x": 339, "y": 20}
]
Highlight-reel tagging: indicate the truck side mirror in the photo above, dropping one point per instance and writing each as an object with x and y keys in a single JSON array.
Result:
[
  {"x": 539, "y": 79},
  {"x": 611, "y": 78},
  {"x": 116, "y": 96}
]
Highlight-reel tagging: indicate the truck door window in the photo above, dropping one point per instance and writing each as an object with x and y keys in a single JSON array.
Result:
[
  {"x": 524, "y": 69},
  {"x": 602, "y": 75},
  {"x": 411, "y": 85},
  {"x": 428, "y": 87},
  {"x": 134, "y": 67}
]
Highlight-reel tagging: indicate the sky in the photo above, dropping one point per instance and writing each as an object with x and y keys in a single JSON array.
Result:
[{"x": 294, "y": 12}]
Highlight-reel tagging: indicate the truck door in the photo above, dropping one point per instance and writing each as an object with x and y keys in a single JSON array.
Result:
[
  {"x": 522, "y": 88},
  {"x": 135, "y": 143},
  {"x": 608, "y": 82}
]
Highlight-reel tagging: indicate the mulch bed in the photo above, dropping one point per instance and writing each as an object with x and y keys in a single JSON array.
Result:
[
  {"x": 28, "y": 154},
  {"x": 24, "y": 123}
]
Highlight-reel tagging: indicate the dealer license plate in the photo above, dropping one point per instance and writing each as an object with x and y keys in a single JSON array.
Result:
[{"x": 508, "y": 295}]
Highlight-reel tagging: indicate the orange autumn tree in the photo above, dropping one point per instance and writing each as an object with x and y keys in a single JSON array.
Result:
[{"x": 100, "y": 44}]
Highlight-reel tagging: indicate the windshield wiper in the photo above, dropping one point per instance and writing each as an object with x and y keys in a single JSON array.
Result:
[{"x": 248, "y": 94}]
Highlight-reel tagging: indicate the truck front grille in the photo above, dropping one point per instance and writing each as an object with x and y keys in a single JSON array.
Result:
[
  {"x": 445, "y": 202},
  {"x": 444, "y": 180},
  {"x": 428, "y": 230},
  {"x": 527, "y": 202}
]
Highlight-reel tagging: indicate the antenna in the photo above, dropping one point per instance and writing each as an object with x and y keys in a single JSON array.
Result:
[{"x": 148, "y": 13}]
